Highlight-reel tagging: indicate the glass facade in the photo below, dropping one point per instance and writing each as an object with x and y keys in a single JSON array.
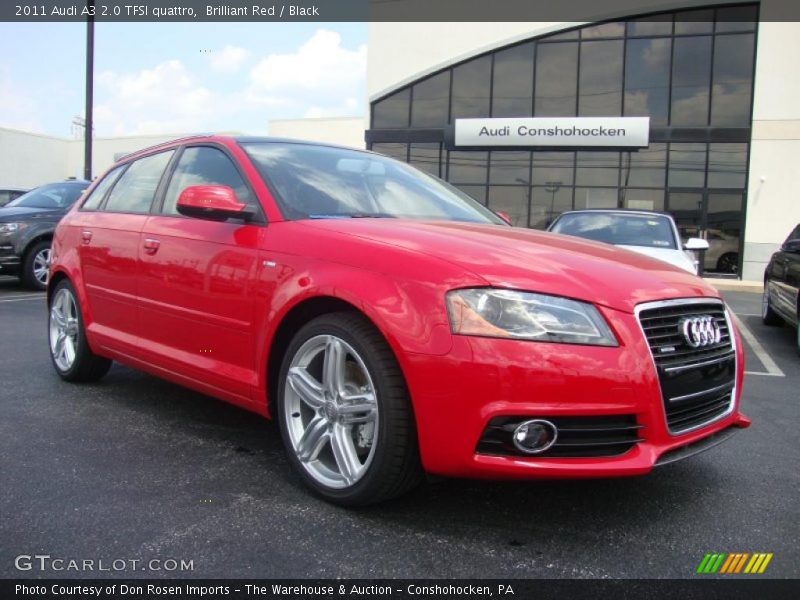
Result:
[{"x": 691, "y": 72}]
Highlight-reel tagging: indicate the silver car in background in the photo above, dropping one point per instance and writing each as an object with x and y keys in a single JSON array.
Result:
[{"x": 650, "y": 233}]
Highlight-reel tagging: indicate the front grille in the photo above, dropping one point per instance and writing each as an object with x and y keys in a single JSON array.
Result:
[
  {"x": 691, "y": 413},
  {"x": 696, "y": 383},
  {"x": 578, "y": 437}
]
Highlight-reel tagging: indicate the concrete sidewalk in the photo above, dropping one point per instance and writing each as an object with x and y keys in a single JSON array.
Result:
[{"x": 736, "y": 285}]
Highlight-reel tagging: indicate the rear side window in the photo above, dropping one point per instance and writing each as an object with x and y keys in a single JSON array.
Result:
[
  {"x": 96, "y": 197},
  {"x": 205, "y": 166},
  {"x": 136, "y": 187}
]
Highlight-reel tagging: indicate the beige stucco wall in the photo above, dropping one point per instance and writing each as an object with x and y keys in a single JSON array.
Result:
[
  {"x": 343, "y": 131},
  {"x": 104, "y": 149},
  {"x": 29, "y": 159},
  {"x": 773, "y": 207}
]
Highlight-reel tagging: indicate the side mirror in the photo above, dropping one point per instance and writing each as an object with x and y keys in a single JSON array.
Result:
[
  {"x": 696, "y": 244},
  {"x": 503, "y": 215},
  {"x": 212, "y": 202},
  {"x": 791, "y": 246}
]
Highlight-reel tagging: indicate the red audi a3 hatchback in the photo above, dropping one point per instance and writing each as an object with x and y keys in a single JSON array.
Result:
[{"x": 390, "y": 323}]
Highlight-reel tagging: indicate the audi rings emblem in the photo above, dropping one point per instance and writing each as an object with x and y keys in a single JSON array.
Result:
[{"x": 700, "y": 331}]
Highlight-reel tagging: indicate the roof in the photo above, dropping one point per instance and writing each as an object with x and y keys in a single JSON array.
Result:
[
  {"x": 239, "y": 139},
  {"x": 624, "y": 211}
]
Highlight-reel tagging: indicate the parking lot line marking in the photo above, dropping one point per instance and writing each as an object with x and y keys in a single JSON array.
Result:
[
  {"x": 22, "y": 298},
  {"x": 764, "y": 374},
  {"x": 23, "y": 295},
  {"x": 758, "y": 349}
]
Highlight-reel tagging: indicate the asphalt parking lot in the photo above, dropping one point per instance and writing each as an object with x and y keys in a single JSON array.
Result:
[{"x": 135, "y": 468}]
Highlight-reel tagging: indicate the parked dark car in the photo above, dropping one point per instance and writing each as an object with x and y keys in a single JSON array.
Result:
[
  {"x": 781, "y": 299},
  {"x": 26, "y": 230},
  {"x": 7, "y": 194}
]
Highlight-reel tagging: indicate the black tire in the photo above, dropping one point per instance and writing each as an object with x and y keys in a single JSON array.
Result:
[
  {"x": 798, "y": 334},
  {"x": 768, "y": 315},
  {"x": 86, "y": 365},
  {"x": 728, "y": 263},
  {"x": 30, "y": 264},
  {"x": 395, "y": 465}
]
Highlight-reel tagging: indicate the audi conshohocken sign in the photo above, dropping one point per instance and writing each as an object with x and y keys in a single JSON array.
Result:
[{"x": 626, "y": 132}]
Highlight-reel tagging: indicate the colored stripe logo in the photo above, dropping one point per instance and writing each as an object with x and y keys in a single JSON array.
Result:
[{"x": 734, "y": 563}]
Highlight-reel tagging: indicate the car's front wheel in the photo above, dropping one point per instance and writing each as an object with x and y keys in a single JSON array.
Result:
[
  {"x": 345, "y": 413},
  {"x": 69, "y": 350},
  {"x": 36, "y": 266}
]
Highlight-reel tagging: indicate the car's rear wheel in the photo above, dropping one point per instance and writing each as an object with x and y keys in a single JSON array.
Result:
[
  {"x": 36, "y": 266},
  {"x": 768, "y": 314},
  {"x": 345, "y": 413},
  {"x": 69, "y": 350}
]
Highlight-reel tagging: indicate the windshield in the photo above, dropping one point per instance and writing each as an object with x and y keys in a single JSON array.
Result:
[
  {"x": 650, "y": 231},
  {"x": 54, "y": 195},
  {"x": 318, "y": 182}
]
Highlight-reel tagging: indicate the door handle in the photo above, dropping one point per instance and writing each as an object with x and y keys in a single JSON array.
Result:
[
  {"x": 86, "y": 236},
  {"x": 151, "y": 246}
]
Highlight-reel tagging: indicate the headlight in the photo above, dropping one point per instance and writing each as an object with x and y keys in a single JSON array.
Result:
[
  {"x": 8, "y": 227},
  {"x": 526, "y": 316}
]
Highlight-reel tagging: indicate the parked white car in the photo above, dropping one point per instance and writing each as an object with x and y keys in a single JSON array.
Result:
[{"x": 651, "y": 233}]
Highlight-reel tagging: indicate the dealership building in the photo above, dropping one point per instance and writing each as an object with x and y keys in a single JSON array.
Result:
[
  {"x": 679, "y": 106},
  {"x": 716, "y": 85}
]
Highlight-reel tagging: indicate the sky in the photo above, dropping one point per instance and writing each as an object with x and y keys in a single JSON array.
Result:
[{"x": 157, "y": 78}]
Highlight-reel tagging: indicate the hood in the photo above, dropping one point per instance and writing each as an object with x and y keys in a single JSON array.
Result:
[
  {"x": 537, "y": 261},
  {"x": 21, "y": 213},
  {"x": 674, "y": 257}
]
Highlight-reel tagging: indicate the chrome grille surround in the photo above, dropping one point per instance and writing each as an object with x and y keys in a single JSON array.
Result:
[{"x": 719, "y": 353}]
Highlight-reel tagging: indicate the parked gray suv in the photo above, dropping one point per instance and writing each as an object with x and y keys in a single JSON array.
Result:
[{"x": 26, "y": 230}]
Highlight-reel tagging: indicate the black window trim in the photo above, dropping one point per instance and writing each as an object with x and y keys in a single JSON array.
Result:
[{"x": 156, "y": 209}]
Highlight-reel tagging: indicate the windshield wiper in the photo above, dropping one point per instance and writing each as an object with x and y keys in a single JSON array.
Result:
[{"x": 353, "y": 216}]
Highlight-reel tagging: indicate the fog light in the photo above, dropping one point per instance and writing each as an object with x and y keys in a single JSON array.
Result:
[{"x": 534, "y": 437}]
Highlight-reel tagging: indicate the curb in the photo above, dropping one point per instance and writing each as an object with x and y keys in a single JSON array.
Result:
[{"x": 736, "y": 285}]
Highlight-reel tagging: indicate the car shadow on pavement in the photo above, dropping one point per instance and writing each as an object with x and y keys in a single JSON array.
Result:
[{"x": 452, "y": 505}]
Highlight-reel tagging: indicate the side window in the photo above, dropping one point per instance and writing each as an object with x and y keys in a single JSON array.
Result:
[
  {"x": 96, "y": 197},
  {"x": 136, "y": 187},
  {"x": 795, "y": 235},
  {"x": 205, "y": 166}
]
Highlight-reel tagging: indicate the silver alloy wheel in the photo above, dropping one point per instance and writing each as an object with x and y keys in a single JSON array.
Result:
[
  {"x": 64, "y": 329},
  {"x": 765, "y": 302},
  {"x": 331, "y": 411},
  {"x": 41, "y": 265}
]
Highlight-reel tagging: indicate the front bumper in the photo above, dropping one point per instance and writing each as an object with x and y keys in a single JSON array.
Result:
[
  {"x": 456, "y": 395},
  {"x": 9, "y": 259}
]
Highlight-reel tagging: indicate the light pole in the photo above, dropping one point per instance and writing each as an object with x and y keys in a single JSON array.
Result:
[
  {"x": 527, "y": 183},
  {"x": 87, "y": 131},
  {"x": 552, "y": 187}
]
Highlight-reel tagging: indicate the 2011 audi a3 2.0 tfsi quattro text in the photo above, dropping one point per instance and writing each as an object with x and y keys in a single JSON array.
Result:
[{"x": 392, "y": 325}]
